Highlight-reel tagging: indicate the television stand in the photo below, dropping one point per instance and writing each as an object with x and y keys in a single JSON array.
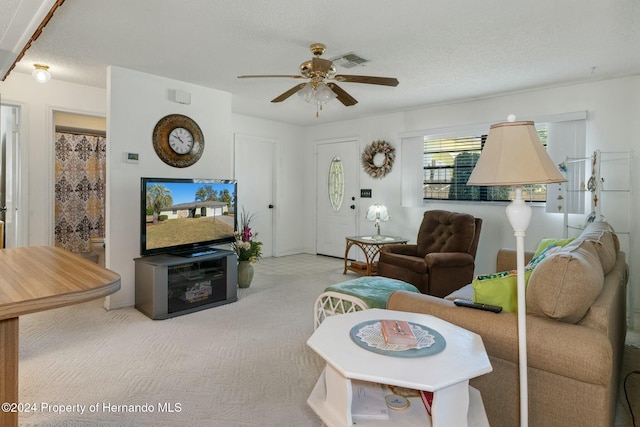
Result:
[
  {"x": 194, "y": 253},
  {"x": 170, "y": 285}
]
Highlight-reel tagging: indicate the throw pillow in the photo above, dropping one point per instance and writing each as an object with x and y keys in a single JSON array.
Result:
[
  {"x": 501, "y": 289},
  {"x": 566, "y": 284},
  {"x": 604, "y": 241}
]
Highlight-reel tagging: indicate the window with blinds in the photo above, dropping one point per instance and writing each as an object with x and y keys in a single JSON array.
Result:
[{"x": 448, "y": 163}]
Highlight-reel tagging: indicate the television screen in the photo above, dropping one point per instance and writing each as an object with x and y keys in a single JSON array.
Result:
[{"x": 186, "y": 216}]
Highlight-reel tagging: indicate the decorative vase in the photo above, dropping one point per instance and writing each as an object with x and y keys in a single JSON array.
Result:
[{"x": 245, "y": 274}]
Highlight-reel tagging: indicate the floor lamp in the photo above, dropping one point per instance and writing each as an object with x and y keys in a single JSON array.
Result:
[{"x": 513, "y": 155}]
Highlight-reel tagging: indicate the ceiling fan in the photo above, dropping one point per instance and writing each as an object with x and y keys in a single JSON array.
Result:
[{"x": 321, "y": 87}]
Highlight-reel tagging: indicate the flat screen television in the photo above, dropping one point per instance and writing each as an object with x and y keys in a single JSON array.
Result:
[{"x": 186, "y": 217}]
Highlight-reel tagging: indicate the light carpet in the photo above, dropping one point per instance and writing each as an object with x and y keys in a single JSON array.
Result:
[{"x": 241, "y": 364}]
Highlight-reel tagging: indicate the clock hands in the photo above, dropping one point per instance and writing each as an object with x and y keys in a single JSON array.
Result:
[{"x": 181, "y": 140}]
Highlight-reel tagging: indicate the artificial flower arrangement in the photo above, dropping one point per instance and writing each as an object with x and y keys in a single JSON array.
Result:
[{"x": 245, "y": 246}]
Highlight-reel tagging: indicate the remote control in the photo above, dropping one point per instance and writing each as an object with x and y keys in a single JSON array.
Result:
[{"x": 471, "y": 304}]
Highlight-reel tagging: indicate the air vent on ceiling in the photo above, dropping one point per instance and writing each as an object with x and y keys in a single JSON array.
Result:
[{"x": 349, "y": 60}]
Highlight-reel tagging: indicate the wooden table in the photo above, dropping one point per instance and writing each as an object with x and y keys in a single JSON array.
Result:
[
  {"x": 370, "y": 246},
  {"x": 35, "y": 279}
]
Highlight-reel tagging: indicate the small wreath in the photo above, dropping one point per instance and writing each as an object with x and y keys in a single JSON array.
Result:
[{"x": 377, "y": 158}]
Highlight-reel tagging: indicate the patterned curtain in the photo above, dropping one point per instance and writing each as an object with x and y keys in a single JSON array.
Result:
[{"x": 79, "y": 189}]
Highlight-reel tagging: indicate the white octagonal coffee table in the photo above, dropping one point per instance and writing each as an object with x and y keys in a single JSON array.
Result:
[{"x": 446, "y": 373}]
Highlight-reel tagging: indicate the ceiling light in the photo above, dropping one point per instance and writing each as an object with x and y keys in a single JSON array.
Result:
[
  {"x": 317, "y": 93},
  {"x": 41, "y": 73}
]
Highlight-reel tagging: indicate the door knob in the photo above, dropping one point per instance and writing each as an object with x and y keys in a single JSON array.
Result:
[
  {"x": 270, "y": 206},
  {"x": 352, "y": 206}
]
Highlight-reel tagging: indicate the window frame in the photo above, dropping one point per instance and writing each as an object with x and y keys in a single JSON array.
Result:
[{"x": 470, "y": 194}]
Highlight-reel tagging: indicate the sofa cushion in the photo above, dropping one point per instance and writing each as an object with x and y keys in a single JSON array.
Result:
[
  {"x": 605, "y": 242},
  {"x": 501, "y": 289},
  {"x": 465, "y": 292},
  {"x": 564, "y": 285},
  {"x": 602, "y": 225}
]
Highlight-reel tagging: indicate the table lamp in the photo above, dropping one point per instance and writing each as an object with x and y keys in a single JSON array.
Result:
[
  {"x": 378, "y": 213},
  {"x": 514, "y": 155}
]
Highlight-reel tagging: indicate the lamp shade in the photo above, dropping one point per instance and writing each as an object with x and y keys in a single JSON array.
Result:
[
  {"x": 306, "y": 93},
  {"x": 514, "y": 155},
  {"x": 378, "y": 212}
]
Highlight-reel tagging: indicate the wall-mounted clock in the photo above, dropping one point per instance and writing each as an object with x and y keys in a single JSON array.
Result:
[{"x": 178, "y": 140}]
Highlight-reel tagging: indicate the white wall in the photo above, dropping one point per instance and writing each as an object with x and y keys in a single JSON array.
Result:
[{"x": 136, "y": 101}]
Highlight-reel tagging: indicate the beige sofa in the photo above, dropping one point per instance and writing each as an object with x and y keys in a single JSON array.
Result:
[{"x": 576, "y": 325}]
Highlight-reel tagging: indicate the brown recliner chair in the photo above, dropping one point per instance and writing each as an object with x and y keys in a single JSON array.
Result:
[{"x": 442, "y": 260}]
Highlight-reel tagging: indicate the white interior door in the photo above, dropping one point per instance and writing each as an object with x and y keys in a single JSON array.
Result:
[
  {"x": 336, "y": 203},
  {"x": 254, "y": 170}
]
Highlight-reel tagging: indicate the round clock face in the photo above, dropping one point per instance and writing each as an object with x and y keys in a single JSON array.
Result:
[{"x": 178, "y": 140}]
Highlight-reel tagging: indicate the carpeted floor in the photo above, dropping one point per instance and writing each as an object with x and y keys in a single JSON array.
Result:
[{"x": 242, "y": 364}]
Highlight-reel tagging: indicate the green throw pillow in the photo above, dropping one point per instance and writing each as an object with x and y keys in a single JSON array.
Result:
[{"x": 500, "y": 290}]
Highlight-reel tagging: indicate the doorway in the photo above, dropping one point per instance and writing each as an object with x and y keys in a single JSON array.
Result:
[
  {"x": 10, "y": 212},
  {"x": 336, "y": 203},
  {"x": 79, "y": 181}
]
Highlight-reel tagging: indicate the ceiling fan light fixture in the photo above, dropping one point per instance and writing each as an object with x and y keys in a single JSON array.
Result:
[
  {"x": 306, "y": 93},
  {"x": 41, "y": 73},
  {"x": 324, "y": 94},
  {"x": 318, "y": 94}
]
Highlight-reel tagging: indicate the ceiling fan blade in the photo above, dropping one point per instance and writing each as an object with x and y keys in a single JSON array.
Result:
[
  {"x": 346, "y": 99},
  {"x": 383, "y": 81},
  {"x": 270, "y": 75},
  {"x": 289, "y": 93},
  {"x": 321, "y": 65}
]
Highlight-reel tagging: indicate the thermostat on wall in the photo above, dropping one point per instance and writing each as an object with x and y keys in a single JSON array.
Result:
[{"x": 131, "y": 157}]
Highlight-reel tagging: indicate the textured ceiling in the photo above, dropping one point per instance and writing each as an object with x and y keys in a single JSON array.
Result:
[{"x": 439, "y": 51}]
